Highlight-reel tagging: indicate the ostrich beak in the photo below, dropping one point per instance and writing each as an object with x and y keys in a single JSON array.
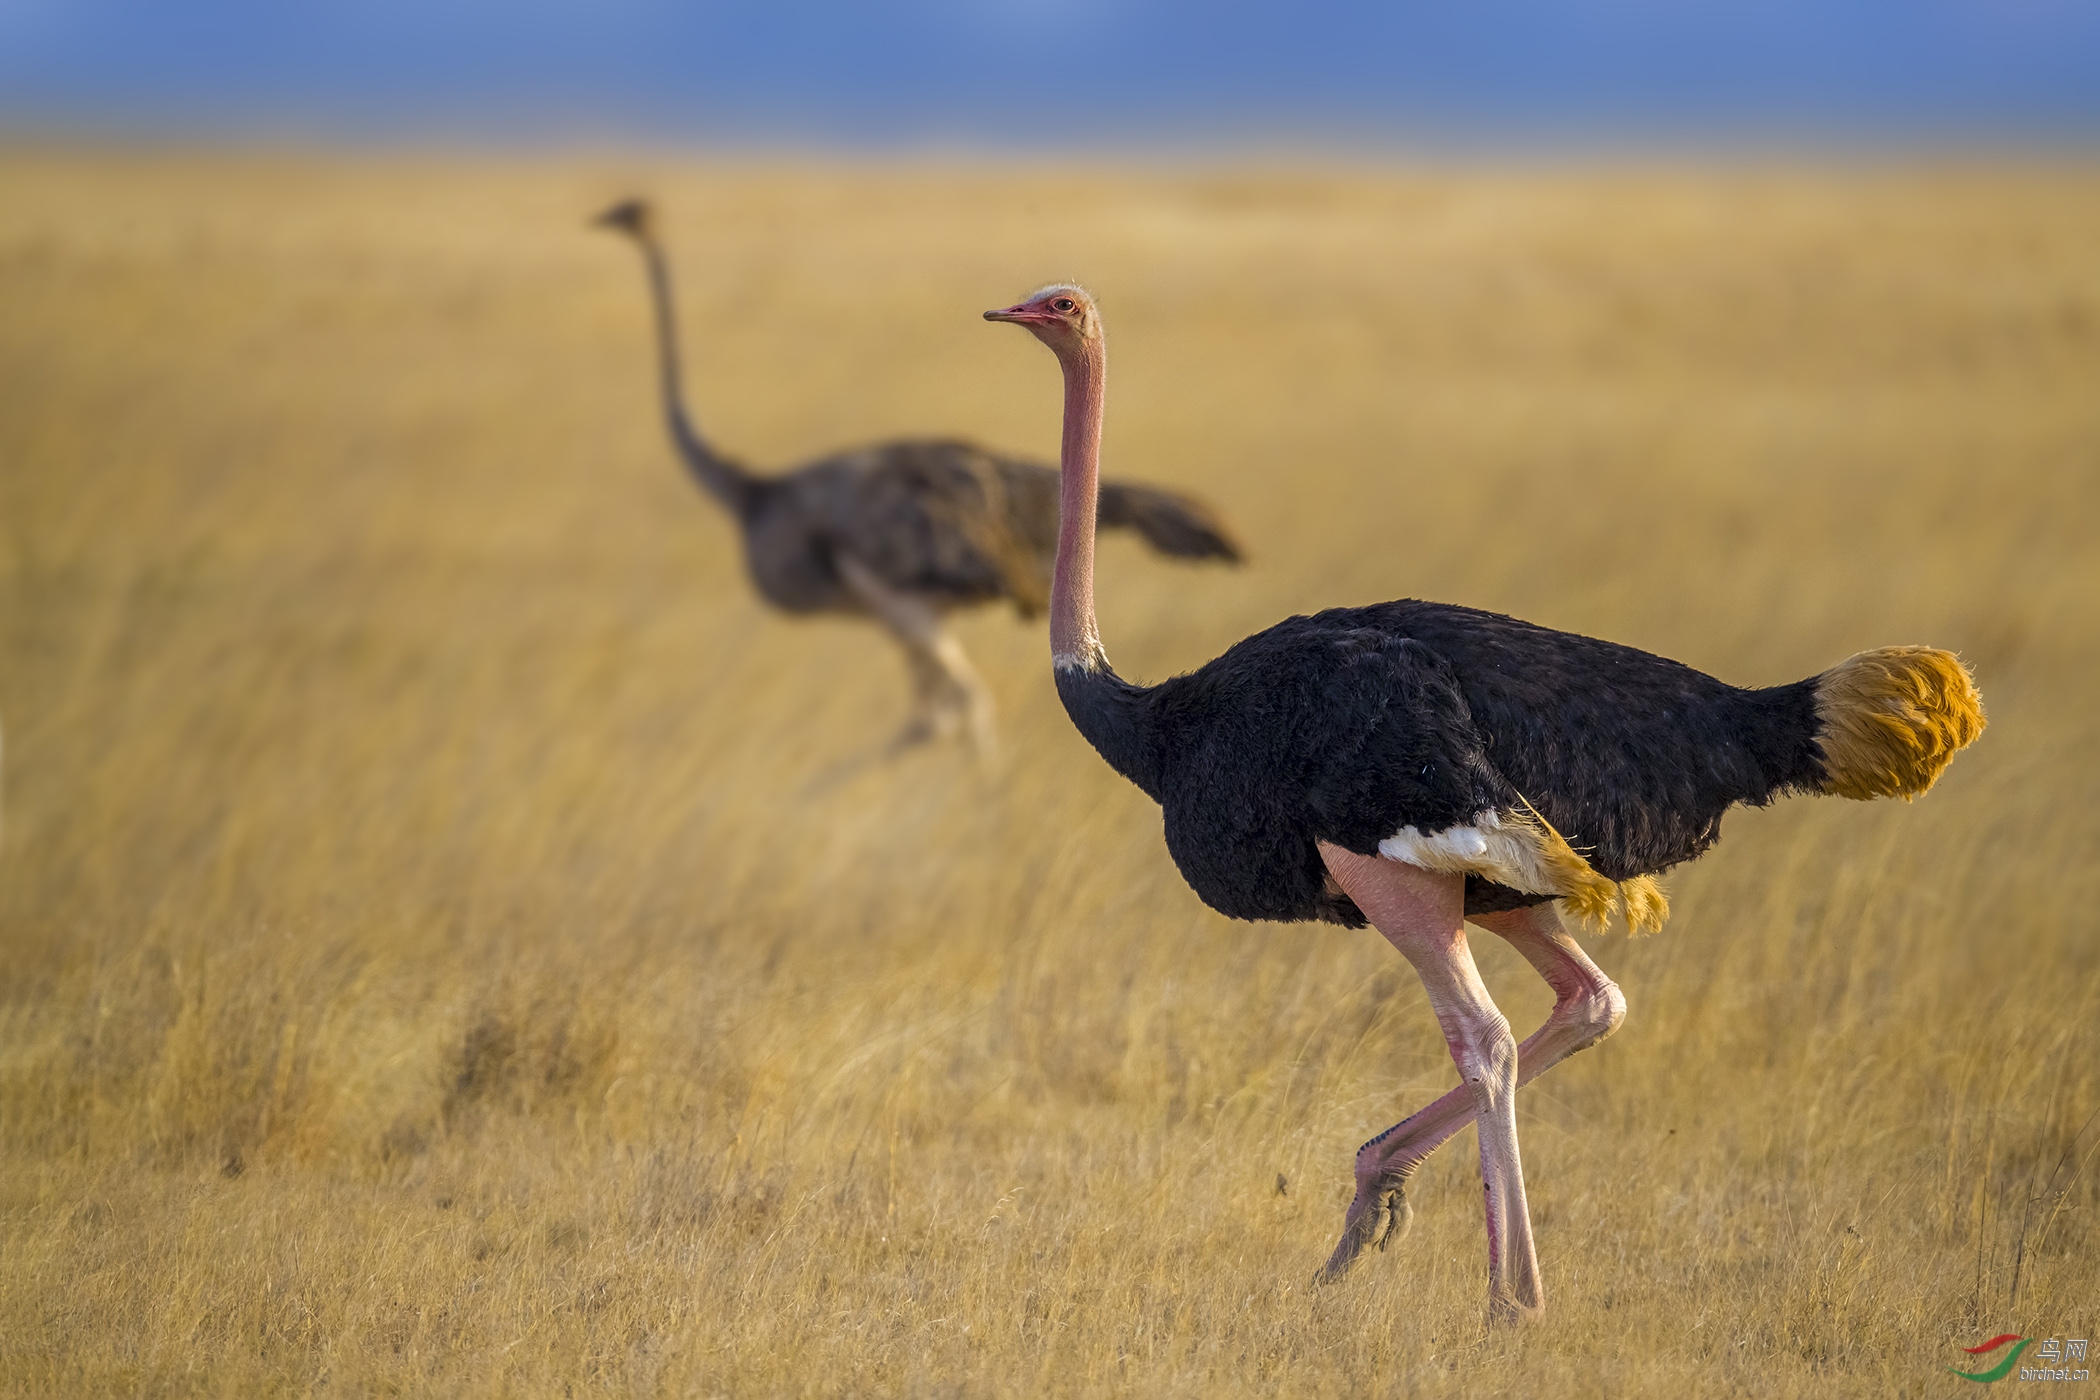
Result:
[{"x": 1019, "y": 315}]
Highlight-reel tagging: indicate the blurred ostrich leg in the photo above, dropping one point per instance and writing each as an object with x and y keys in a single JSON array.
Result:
[{"x": 948, "y": 692}]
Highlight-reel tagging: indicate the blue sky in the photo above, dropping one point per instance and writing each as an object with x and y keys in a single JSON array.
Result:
[{"x": 1061, "y": 71}]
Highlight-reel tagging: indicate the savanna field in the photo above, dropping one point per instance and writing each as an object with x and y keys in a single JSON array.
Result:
[{"x": 454, "y": 940}]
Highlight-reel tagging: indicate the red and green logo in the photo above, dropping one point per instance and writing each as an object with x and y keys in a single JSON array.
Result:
[{"x": 2004, "y": 1367}]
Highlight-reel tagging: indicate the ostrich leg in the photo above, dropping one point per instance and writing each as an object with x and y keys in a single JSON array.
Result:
[
  {"x": 947, "y": 689},
  {"x": 1588, "y": 1006},
  {"x": 965, "y": 689},
  {"x": 937, "y": 707},
  {"x": 1422, "y": 913}
]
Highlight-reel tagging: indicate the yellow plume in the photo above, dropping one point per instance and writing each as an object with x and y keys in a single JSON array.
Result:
[{"x": 1890, "y": 720}]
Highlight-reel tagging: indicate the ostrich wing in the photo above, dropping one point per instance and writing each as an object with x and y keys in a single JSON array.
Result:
[
  {"x": 1315, "y": 730},
  {"x": 1405, "y": 751}
]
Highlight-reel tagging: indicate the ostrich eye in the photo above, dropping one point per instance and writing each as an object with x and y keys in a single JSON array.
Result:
[{"x": 1063, "y": 304}]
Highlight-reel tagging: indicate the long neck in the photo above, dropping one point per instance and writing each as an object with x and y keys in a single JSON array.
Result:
[
  {"x": 717, "y": 475},
  {"x": 1111, "y": 713},
  {"x": 1075, "y": 640}
]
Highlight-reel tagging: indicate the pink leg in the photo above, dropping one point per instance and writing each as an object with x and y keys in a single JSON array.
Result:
[
  {"x": 1587, "y": 1007},
  {"x": 1422, "y": 914}
]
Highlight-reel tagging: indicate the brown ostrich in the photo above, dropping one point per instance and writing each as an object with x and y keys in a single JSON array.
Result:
[
  {"x": 902, "y": 532},
  {"x": 1415, "y": 765}
]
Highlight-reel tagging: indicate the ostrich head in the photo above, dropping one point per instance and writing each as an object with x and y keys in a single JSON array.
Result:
[
  {"x": 1062, "y": 316},
  {"x": 633, "y": 217}
]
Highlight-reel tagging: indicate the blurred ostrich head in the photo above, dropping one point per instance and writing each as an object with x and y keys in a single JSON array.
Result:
[{"x": 633, "y": 217}]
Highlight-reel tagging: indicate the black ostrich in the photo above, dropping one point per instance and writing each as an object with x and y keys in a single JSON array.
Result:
[
  {"x": 1416, "y": 765},
  {"x": 902, "y": 532}
]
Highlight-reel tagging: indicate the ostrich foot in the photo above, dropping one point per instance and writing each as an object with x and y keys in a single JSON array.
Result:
[
  {"x": 927, "y": 724},
  {"x": 916, "y": 731},
  {"x": 984, "y": 742},
  {"x": 1378, "y": 1216}
]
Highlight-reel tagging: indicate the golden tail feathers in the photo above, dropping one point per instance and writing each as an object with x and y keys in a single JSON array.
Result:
[{"x": 1890, "y": 720}]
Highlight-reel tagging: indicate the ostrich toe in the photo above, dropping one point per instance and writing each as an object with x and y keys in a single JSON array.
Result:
[{"x": 1377, "y": 1217}]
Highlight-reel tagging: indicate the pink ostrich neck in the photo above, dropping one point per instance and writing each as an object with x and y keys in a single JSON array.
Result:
[{"x": 1074, "y": 638}]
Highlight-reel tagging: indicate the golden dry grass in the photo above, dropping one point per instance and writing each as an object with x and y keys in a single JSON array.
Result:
[{"x": 448, "y": 946}]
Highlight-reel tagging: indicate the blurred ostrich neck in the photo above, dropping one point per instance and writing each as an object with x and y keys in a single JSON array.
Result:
[
  {"x": 716, "y": 476},
  {"x": 1075, "y": 641}
]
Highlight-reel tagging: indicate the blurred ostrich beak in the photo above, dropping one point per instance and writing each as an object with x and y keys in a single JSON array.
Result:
[{"x": 629, "y": 216}]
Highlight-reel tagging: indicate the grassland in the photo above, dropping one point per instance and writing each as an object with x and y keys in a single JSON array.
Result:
[{"x": 450, "y": 941}]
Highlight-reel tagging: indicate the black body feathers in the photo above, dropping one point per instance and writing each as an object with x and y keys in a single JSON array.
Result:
[{"x": 1351, "y": 724}]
